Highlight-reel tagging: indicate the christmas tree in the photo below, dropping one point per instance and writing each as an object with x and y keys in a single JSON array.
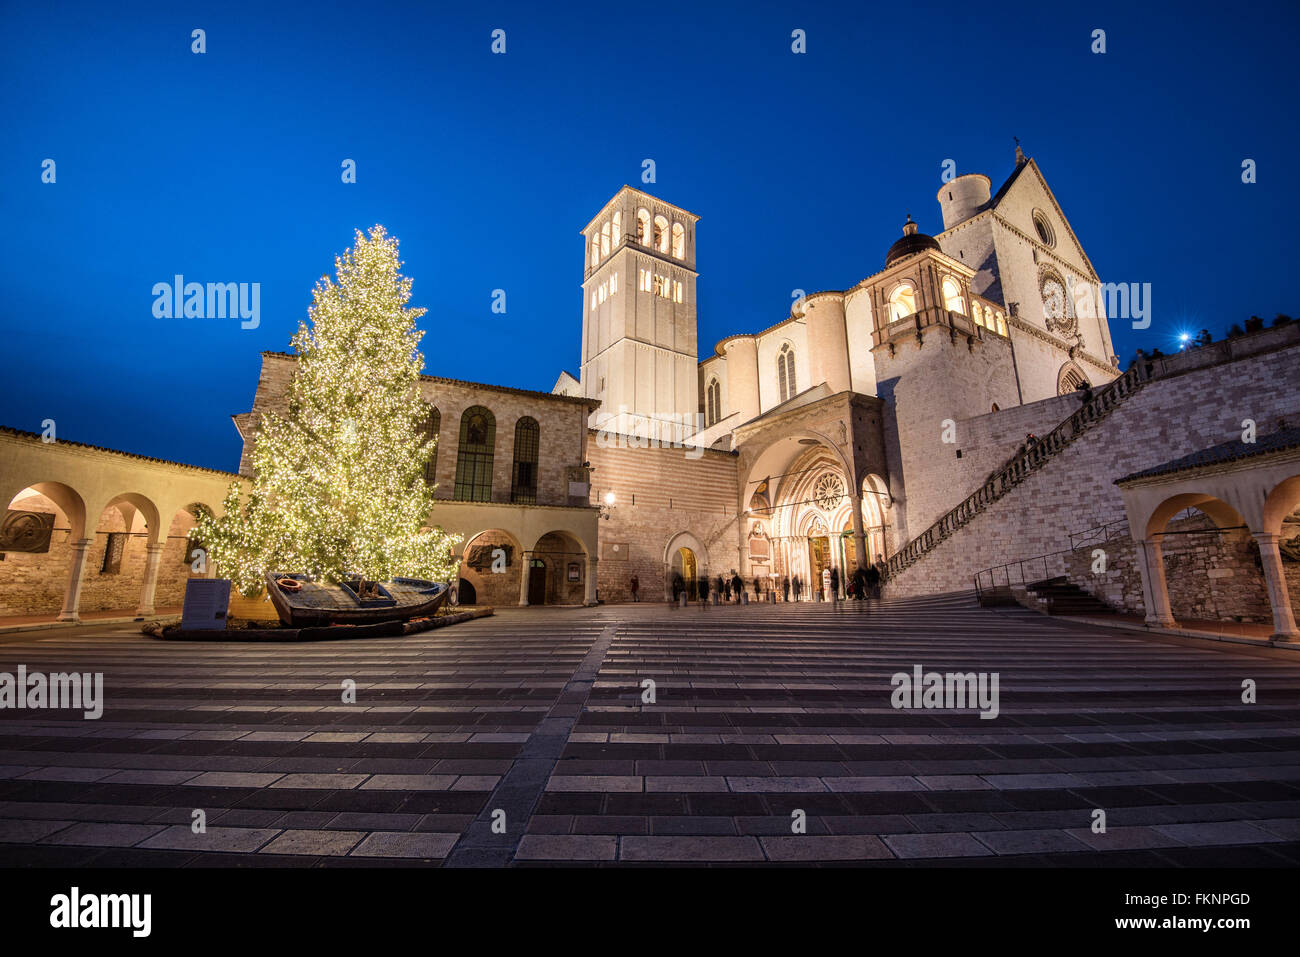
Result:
[{"x": 339, "y": 488}]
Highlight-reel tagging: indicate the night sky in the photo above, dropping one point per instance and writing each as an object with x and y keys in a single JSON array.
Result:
[{"x": 225, "y": 167}]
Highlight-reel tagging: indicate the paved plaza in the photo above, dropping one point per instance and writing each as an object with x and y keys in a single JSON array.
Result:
[{"x": 524, "y": 739}]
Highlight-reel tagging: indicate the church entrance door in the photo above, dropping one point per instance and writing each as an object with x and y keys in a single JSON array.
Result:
[
  {"x": 819, "y": 559},
  {"x": 536, "y": 581}
]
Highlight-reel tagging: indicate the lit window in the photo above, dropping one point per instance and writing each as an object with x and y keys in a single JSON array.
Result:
[
  {"x": 643, "y": 226},
  {"x": 618, "y": 229},
  {"x": 661, "y": 234},
  {"x": 593, "y": 299},
  {"x": 902, "y": 302},
  {"x": 644, "y": 284},
  {"x": 613, "y": 283},
  {"x": 677, "y": 292},
  {"x": 1002, "y": 326},
  {"x": 679, "y": 241},
  {"x": 661, "y": 286},
  {"x": 952, "y": 298},
  {"x": 785, "y": 373},
  {"x": 604, "y": 240}
]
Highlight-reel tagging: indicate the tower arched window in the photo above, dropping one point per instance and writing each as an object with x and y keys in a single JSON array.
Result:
[
  {"x": 902, "y": 301},
  {"x": 478, "y": 434},
  {"x": 430, "y": 429},
  {"x": 643, "y": 226},
  {"x": 713, "y": 403},
  {"x": 617, "y": 229},
  {"x": 523, "y": 482},
  {"x": 661, "y": 234},
  {"x": 679, "y": 241},
  {"x": 595, "y": 251},
  {"x": 785, "y": 373},
  {"x": 952, "y": 297}
]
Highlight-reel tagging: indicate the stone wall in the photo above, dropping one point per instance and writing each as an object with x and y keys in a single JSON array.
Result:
[
  {"x": 1211, "y": 576},
  {"x": 663, "y": 495},
  {"x": 1190, "y": 409}
]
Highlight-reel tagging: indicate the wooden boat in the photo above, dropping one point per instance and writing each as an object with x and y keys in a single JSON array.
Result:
[{"x": 304, "y": 602}]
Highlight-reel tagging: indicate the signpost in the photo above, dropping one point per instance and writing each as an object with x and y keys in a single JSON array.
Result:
[{"x": 206, "y": 601}]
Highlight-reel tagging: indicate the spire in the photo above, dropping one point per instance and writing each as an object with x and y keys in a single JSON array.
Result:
[{"x": 1020, "y": 154}]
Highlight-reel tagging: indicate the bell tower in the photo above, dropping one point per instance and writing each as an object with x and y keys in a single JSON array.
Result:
[{"x": 639, "y": 350}]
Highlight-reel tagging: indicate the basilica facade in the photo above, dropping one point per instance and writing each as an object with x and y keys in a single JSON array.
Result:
[{"x": 834, "y": 435}]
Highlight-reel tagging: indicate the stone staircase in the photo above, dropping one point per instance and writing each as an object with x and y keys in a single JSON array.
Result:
[
  {"x": 1019, "y": 467},
  {"x": 1060, "y": 596}
]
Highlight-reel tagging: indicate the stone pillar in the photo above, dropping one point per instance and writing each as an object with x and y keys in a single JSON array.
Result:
[
  {"x": 72, "y": 595},
  {"x": 1155, "y": 592},
  {"x": 153, "y": 559},
  {"x": 859, "y": 533},
  {"x": 525, "y": 572},
  {"x": 590, "y": 596},
  {"x": 1284, "y": 626}
]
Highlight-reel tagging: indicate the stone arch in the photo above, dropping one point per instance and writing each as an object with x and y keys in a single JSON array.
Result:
[
  {"x": 1281, "y": 501},
  {"x": 671, "y": 560},
  {"x": 478, "y": 553},
  {"x": 1070, "y": 378},
  {"x": 1220, "y": 512},
  {"x": 558, "y": 550}
]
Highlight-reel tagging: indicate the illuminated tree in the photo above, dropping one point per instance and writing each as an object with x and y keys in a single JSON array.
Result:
[{"x": 339, "y": 487}]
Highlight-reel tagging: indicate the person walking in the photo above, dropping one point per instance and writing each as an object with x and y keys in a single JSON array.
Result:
[
  {"x": 835, "y": 584},
  {"x": 859, "y": 584},
  {"x": 798, "y": 587},
  {"x": 737, "y": 586},
  {"x": 724, "y": 585},
  {"x": 635, "y": 585},
  {"x": 872, "y": 577},
  {"x": 785, "y": 588}
]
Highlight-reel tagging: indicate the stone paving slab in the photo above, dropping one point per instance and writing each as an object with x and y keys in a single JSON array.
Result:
[{"x": 766, "y": 716}]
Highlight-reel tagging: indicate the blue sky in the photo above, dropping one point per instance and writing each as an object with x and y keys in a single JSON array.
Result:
[{"x": 225, "y": 167}]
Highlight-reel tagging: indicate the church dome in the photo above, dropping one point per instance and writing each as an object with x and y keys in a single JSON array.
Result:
[{"x": 911, "y": 243}]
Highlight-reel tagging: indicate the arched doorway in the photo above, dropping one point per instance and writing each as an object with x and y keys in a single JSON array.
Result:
[
  {"x": 536, "y": 581},
  {"x": 466, "y": 594},
  {"x": 685, "y": 574}
]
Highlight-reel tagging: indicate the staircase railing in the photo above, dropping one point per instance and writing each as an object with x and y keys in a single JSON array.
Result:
[{"x": 1104, "y": 400}]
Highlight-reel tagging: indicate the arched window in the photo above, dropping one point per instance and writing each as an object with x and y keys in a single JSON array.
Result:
[
  {"x": 712, "y": 403},
  {"x": 1070, "y": 379},
  {"x": 595, "y": 251},
  {"x": 661, "y": 234},
  {"x": 1002, "y": 325},
  {"x": 902, "y": 302},
  {"x": 679, "y": 241},
  {"x": 952, "y": 297},
  {"x": 478, "y": 435},
  {"x": 523, "y": 483},
  {"x": 617, "y": 230},
  {"x": 604, "y": 240},
  {"x": 643, "y": 225},
  {"x": 785, "y": 373},
  {"x": 429, "y": 430}
]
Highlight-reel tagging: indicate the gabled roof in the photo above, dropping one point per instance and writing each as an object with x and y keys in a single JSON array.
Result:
[
  {"x": 1281, "y": 441},
  {"x": 1014, "y": 178}
]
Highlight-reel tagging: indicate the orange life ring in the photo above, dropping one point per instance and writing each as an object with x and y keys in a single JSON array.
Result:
[{"x": 289, "y": 584}]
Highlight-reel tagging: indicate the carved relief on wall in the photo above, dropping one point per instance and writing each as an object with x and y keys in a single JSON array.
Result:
[
  {"x": 829, "y": 492},
  {"x": 759, "y": 546},
  {"x": 26, "y": 531}
]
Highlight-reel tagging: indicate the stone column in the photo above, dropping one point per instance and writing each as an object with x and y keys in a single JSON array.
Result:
[
  {"x": 153, "y": 559},
  {"x": 859, "y": 532},
  {"x": 1284, "y": 626},
  {"x": 1155, "y": 591},
  {"x": 590, "y": 597},
  {"x": 525, "y": 572},
  {"x": 72, "y": 595}
]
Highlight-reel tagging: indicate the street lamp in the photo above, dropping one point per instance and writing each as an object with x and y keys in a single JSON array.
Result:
[{"x": 608, "y": 506}]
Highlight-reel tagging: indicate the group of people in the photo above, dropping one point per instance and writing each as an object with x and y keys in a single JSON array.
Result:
[{"x": 861, "y": 585}]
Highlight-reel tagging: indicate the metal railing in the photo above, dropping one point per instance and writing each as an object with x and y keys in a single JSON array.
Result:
[{"x": 1029, "y": 460}]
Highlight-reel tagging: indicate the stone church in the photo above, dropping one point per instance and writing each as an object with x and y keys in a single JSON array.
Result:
[{"x": 815, "y": 442}]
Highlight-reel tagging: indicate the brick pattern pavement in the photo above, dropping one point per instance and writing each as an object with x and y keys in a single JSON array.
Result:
[{"x": 761, "y": 711}]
